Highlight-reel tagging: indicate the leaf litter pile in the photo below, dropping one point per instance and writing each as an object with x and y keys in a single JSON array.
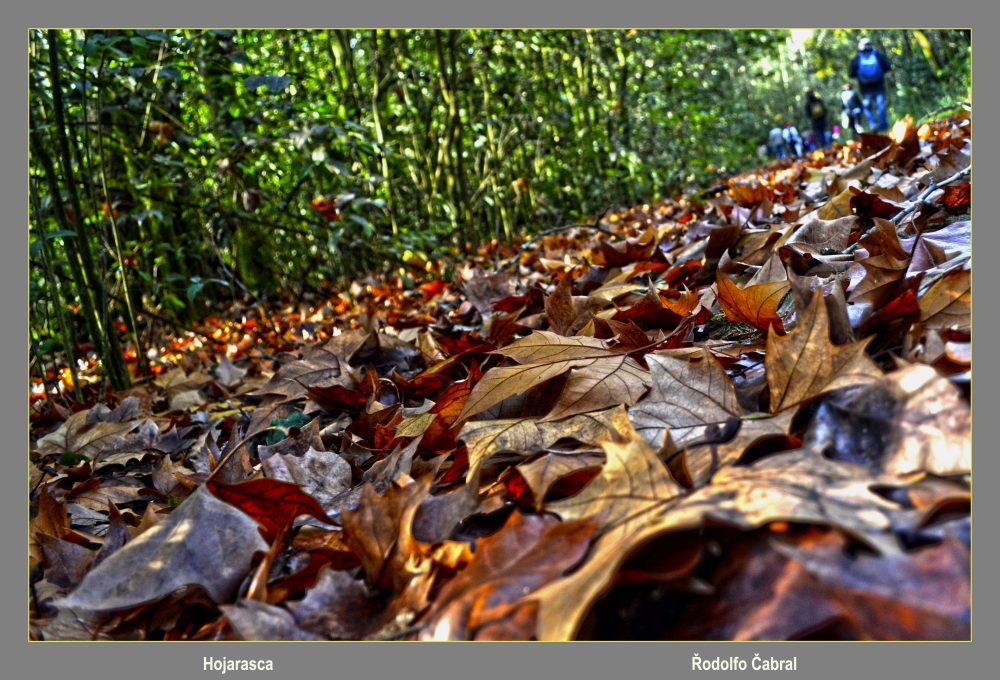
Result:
[{"x": 739, "y": 414}]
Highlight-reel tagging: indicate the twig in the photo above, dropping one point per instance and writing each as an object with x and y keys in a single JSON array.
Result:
[
  {"x": 956, "y": 105},
  {"x": 930, "y": 190},
  {"x": 517, "y": 256},
  {"x": 920, "y": 200}
]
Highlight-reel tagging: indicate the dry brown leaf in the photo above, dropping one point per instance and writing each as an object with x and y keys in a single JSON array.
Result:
[
  {"x": 605, "y": 382},
  {"x": 51, "y": 520},
  {"x": 704, "y": 459},
  {"x": 568, "y": 313},
  {"x": 541, "y": 473},
  {"x": 525, "y": 436},
  {"x": 632, "y": 489},
  {"x": 324, "y": 475},
  {"x": 378, "y": 529},
  {"x": 610, "y": 378},
  {"x": 804, "y": 363},
  {"x": 204, "y": 542},
  {"x": 948, "y": 302},
  {"x": 686, "y": 394},
  {"x": 484, "y": 290},
  {"x": 528, "y": 552},
  {"x": 96, "y": 440},
  {"x": 908, "y": 421},
  {"x": 839, "y": 206},
  {"x": 796, "y": 486},
  {"x": 819, "y": 234}
]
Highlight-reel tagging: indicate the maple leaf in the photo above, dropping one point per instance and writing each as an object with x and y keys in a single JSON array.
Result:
[
  {"x": 804, "y": 363},
  {"x": 632, "y": 489},
  {"x": 378, "y": 529},
  {"x": 755, "y": 305},
  {"x": 204, "y": 542},
  {"x": 568, "y": 313}
]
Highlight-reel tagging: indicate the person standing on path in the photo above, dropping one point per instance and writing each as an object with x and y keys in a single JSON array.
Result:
[
  {"x": 869, "y": 66},
  {"x": 816, "y": 111},
  {"x": 792, "y": 139},
  {"x": 776, "y": 143},
  {"x": 850, "y": 105}
]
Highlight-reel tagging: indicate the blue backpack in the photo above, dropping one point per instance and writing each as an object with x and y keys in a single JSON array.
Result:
[{"x": 869, "y": 70}]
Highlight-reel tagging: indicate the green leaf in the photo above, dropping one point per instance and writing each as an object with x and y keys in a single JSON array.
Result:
[
  {"x": 70, "y": 459},
  {"x": 64, "y": 233},
  {"x": 155, "y": 36},
  {"x": 274, "y": 83},
  {"x": 337, "y": 167},
  {"x": 282, "y": 425}
]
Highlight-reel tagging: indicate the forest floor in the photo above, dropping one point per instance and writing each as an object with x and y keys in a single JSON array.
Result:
[{"x": 736, "y": 414}]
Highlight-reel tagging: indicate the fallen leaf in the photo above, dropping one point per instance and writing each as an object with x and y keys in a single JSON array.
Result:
[
  {"x": 337, "y": 607},
  {"x": 203, "y": 542},
  {"x": 254, "y": 620},
  {"x": 66, "y": 563},
  {"x": 911, "y": 420},
  {"x": 373, "y": 529},
  {"x": 526, "y": 436},
  {"x": 632, "y": 489},
  {"x": 755, "y": 305},
  {"x": 804, "y": 363},
  {"x": 568, "y": 313},
  {"x": 528, "y": 552},
  {"x": 541, "y": 473},
  {"x": 272, "y": 503},
  {"x": 948, "y": 302},
  {"x": 544, "y": 356},
  {"x": 685, "y": 394},
  {"x": 794, "y": 486}
]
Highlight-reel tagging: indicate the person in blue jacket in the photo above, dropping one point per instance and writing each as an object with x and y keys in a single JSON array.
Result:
[{"x": 869, "y": 66}]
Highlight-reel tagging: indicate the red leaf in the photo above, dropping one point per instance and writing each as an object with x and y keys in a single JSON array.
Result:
[
  {"x": 337, "y": 398},
  {"x": 433, "y": 288},
  {"x": 871, "y": 205},
  {"x": 272, "y": 503}
]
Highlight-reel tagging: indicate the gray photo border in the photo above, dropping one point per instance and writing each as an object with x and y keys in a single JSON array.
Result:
[{"x": 153, "y": 661}]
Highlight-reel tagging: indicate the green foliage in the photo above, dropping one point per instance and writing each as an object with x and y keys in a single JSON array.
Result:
[{"x": 214, "y": 144}]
